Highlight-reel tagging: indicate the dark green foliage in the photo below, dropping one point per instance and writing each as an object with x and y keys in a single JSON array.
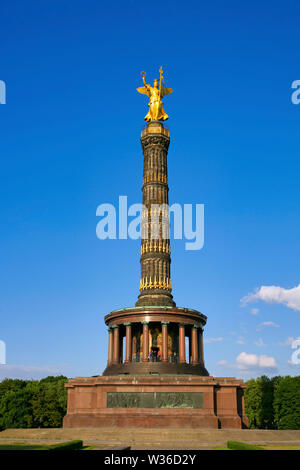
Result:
[
  {"x": 32, "y": 404},
  {"x": 21, "y": 447},
  {"x": 253, "y": 403},
  {"x": 16, "y": 410},
  {"x": 259, "y": 396},
  {"x": 232, "y": 445},
  {"x": 287, "y": 403},
  {"x": 71, "y": 445},
  {"x": 12, "y": 385},
  {"x": 49, "y": 402},
  {"x": 273, "y": 403}
]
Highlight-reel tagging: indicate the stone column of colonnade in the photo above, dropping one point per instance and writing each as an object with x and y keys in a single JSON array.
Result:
[
  {"x": 116, "y": 345},
  {"x": 182, "y": 343},
  {"x": 196, "y": 343},
  {"x": 128, "y": 354}
]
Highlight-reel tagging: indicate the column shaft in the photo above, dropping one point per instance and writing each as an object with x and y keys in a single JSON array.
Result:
[
  {"x": 182, "y": 344},
  {"x": 164, "y": 327},
  {"x": 116, "y": 349},
  {"x": 128, "y": 355},
  {"x": 145, "y": 342},
  {"x": 110, "y": 346},
  {"x": 201, "y": 352},
  {"x": 195, "y": 359}
]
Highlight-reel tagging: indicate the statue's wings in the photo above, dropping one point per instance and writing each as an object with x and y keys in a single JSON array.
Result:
[
  {"x": 144, "y": 90},
  {"x": 165, "y": 91}
]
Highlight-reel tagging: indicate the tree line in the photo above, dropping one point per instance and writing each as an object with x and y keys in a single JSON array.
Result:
[
  {"x": 270, "y": 403},
  {"x": 273, "y": 403},
  {"x": 33, "y": 403}
]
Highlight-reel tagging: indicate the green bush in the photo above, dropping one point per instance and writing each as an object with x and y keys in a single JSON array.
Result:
[
  {"x": 233, "y": 445},
  {"x": 71, "y": 445}
]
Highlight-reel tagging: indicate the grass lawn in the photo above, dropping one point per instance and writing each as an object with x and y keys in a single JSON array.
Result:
[
  {"x": 281, "y": 447},
  {"x": 21, "y": 447},
  {"x": 264, "y": 447},
  {"x": 70, "y": 445}
]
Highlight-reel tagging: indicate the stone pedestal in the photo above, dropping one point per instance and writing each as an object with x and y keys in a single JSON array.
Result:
[{"x": 155, "y": 402}]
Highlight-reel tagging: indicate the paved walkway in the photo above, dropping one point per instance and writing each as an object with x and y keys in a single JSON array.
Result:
[{"x": 147, "y": 439}]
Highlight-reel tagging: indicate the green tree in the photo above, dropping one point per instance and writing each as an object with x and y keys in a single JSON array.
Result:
[
  {"x": 287, "y": 403},
  {"x": 259, "y": 397},
  {"x": 49, "y": 402},
  {"x": 253, "y": 403},
  {"x": 267, "y": 412},
  {"x": 11, "y": 385},
  {"x": 32, "y": 403},
  {"x": 16, "y": 410}
]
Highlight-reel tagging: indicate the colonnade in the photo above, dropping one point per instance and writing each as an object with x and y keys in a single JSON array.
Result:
[{"x": 194, "y": 332}]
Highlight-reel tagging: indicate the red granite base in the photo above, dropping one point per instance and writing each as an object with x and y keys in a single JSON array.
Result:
[{"x": 221, "y": 402}]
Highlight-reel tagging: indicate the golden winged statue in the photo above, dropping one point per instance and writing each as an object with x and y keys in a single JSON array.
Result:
[{"x": 155, "y": 93}]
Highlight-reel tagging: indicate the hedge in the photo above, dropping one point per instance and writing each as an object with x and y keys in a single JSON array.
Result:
[
  {"x": 71, "y": 445},
  {"x": 233, "y": 445}
]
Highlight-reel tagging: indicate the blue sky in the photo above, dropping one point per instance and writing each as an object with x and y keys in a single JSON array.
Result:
[{"x": 70, "y": 134}]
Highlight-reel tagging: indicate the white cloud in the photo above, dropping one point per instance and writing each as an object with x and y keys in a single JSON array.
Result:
[
  {"x": 262, "y": 325},
  {"x": 277, "y": 295},
  {"x": 212, "y": 340},
  {"x": 259, "y": 342},
  {"x": 246, "y": 361},
  {"x": 289, "y": 341},
  {"x": 267, "y": 361},
  {"x": 240, "y": 340},
  {"x": 254, "y": 311},
  {"x": 223, "y": 362},
  {"x": 28, "y": 372}
]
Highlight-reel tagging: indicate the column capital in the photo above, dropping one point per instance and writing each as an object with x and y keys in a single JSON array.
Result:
[
  {"x": 127, "y": 324},
  {"x": 182, "y": 325},
  {"x": 114, "y": 326},
  {"x": 196, "y": 326},
  {"x": 145, "y": 322},
  {"x": 165, "y": 322}
]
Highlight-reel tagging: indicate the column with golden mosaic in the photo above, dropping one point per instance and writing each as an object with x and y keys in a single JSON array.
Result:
[
  {"x": 155, "y": 282},
  {"x": 155, "y": 328}
]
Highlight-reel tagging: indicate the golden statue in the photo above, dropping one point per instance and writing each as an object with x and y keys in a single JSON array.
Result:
[{"x": 156, "y": 93}]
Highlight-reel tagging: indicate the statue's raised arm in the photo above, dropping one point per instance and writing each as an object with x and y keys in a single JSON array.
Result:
[
  {"x": 156, "y": 93},
  {"x": 146, "y": 89}
]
